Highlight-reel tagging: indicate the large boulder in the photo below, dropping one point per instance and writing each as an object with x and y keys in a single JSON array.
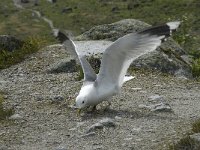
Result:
[
  {"x": 24, "y": 1},
  {"x": 113, "y": 31},
  {"x": 168, "y": 58},
  {"x": 10, "y": 43}
]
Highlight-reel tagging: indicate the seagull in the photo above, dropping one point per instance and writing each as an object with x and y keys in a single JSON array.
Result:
[{"x": 115, "y": 62}]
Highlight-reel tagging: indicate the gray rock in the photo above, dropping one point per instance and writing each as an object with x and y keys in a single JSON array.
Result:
[
  {"x": 118, "y": 118},
  {"x": 92, "y": 49},
  {"x": 66, "y": 65},
  {"x": 67, "y": 10},
  {"x": 160, "y": 107},
  {"x": 36, "y": 2},
  {"x": 24, "y": 1},
  {"x": 168, "y": 58},
  {"x": 106, "y": 122},
  {"x": 88, "y": 134},
  {"x": 137, "y": 89},
  {"x": 155, "y": 98},
  {"x": 113, "y": 31},
  {"x": 2, "y": 147},
  {"x": 98, "y": 147},
  {"x": 94, "y": 127},
  {"x": 10, "y": 43},
  {"x": 61, "y": 148},
  {"x": 58, "y": 98},
  {"x": 115, "y": 9},
  {"x": 16, "y": 117},
  {"x": 196, "y": 139},
  {"x": 52, "y": 1}
]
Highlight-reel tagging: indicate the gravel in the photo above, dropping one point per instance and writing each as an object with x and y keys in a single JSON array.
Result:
[{"x": 46, "y": 125}]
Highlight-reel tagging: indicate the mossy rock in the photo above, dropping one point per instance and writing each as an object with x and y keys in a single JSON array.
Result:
[{"x": 10, "y": 43}]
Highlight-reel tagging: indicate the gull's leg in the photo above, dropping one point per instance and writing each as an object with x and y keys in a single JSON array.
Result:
[
  {"x": 94, "y": 108},
  {"x": 109, "y": 104}
]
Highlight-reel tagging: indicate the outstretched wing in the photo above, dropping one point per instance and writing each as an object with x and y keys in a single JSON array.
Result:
[
  {"x": 118, "y": 57},
  {"x": 89, "y": 74}
]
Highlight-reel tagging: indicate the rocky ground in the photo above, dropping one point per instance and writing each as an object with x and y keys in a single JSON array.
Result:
[{"x": 152, "y": 111}]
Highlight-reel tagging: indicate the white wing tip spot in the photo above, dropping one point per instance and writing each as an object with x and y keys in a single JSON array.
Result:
[{"x": 173, "y": 25}]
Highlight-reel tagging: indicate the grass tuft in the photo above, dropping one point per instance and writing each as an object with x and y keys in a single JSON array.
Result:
[
  {"x": 4, "y": 113},
  {"x": 187, "y": 143},
  {"x": 196, "y": 67},
  {"x": 196, "y": 126},
  {"x": 184, "y": 144}
]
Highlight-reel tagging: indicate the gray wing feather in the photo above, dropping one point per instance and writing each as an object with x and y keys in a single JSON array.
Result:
[
  {"x": 89, "y": 74},
  {"x": 118, "y": 57}
]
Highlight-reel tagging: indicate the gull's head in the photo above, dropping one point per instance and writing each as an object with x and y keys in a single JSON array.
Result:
[
  {"x": 87, "y": 96},
  {"x": 81, "y": 101}
]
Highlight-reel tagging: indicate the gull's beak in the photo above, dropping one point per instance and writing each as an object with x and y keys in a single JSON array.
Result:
[{"x": 78, "y": 111}]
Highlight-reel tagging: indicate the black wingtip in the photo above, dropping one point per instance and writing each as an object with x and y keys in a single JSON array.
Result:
[
  {"x": 158, "y": 30},
  {"x": 61, "y": 36},
  {"x": 162, "y": 30}
]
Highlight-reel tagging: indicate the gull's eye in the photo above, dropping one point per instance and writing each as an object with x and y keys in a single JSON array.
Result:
[{"x": 83, "y": 102}]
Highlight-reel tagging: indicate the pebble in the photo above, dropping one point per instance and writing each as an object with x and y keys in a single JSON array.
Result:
[
  {"x": 94, "y": 127},
  {"x": 88, "y": 134},
  {"x": 128, "y": 139},
  {"x": 57, "y": 98},
  {"x": 162, "y": 107},
  {"x": 61, "y": 148},
  {"x": 118, "y": 118},
  {"x": 16, "y": 117},
  {"x": 106, "y": 122},
  {"x": 155, "y": 98},
  {"x": 136, "y": 89}
]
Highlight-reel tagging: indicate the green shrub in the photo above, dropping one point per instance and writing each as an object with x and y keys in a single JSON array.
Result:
[
  {"x": 196, "y": 126},
  {"x": 31, "y": 45},
  {"x": 196, "y": 67}
]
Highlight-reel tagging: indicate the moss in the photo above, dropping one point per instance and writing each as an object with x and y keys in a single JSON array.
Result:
[
  {"x": 4, "y": 113},
  {"x": 196, "y": 68},
  {"x": 196, "y": 126},
  {"x": 184, "y": 144}
]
